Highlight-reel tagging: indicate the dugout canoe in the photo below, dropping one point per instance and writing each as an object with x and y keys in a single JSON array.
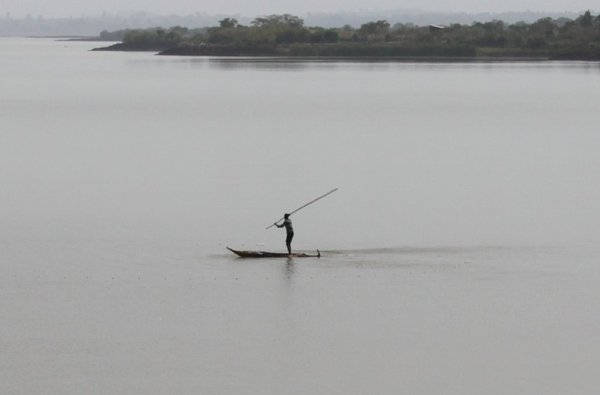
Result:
[{"x": 266, "y": 254}]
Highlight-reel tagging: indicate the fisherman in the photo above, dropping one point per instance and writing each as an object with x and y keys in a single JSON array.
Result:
[{"x": 287, "y": 223}]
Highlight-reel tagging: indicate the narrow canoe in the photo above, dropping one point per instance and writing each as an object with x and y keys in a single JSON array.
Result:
[{"x": 265, "y": 254}]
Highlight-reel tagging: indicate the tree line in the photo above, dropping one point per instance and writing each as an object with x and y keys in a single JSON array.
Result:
[{"x": 287, "y": 35}]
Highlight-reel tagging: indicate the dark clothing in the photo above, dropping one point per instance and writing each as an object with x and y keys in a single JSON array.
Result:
[
  {"x": 288, "y": 226},
  {"x": 289, "y": 230}
]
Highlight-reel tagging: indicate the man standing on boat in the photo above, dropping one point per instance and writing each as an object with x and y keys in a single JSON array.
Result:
[{"x": 287, "y": 223}]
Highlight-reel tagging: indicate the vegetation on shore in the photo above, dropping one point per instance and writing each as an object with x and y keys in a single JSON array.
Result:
[{"x": 286, "y": 35}]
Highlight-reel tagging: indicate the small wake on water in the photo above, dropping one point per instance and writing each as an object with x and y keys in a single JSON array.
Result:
[
  {"x": 445, "y": 250},
  {"x": 438, "y": 257}
]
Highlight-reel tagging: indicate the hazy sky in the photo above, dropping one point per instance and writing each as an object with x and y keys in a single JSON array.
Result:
[{"x": 54, "y": 8}]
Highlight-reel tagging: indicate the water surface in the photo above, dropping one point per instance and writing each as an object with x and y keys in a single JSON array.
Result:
[{"x": 459, "y": 254}]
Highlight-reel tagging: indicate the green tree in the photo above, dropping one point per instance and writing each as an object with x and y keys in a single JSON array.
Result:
[
  {"x": 331, "y": 36},
  {"x": 585, "y": 20},
  {"x": 321, "y": 35},
  {"x": 374, "y": 31},
  {"x": 228, "y": 23},
  {"x": 285, "y": 20}
]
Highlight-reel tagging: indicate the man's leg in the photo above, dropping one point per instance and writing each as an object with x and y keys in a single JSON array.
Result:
[{"x": 288, "y": 242}]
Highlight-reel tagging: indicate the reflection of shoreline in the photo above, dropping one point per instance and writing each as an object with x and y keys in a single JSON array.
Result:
[{"x": 269, "y": 63}]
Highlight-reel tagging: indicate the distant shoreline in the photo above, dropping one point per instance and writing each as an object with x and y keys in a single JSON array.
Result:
[
  {"x": 286, "y": 36},
  {"x": 480, "y": 55}
]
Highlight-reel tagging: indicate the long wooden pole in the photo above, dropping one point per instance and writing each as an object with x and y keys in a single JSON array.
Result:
[{"x": 301, "y": 207}]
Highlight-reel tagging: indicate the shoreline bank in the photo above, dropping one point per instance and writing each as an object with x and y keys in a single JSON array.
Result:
[{"x": 366, "y": 53}]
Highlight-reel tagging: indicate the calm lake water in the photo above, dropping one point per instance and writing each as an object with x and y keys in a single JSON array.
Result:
[{"x": 460, "y": 254}]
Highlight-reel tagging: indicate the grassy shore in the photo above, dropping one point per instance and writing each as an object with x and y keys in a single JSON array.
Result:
[{"x": 365, "y": 50}]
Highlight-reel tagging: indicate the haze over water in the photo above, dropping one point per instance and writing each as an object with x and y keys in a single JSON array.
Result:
[{"x": 460, "y": 252}]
